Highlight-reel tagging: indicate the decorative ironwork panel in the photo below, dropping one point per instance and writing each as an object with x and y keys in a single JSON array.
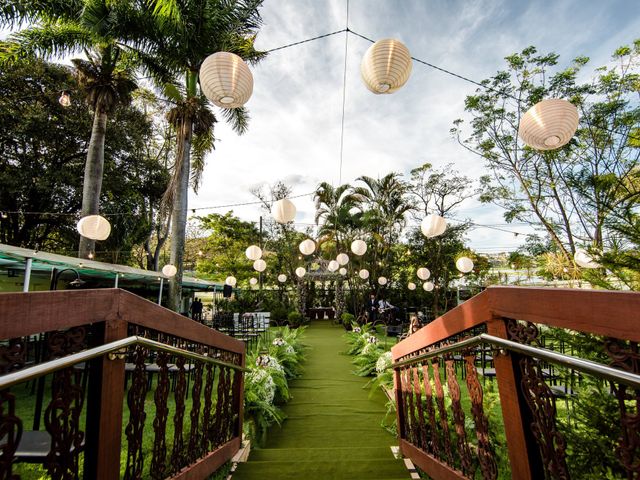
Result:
[
  {"x": 539, "y": 398},
  {"x": 417, "y": 389},
  {"x": 458, "y": 418},
  {"x": 137, "y": 416},
  {"x": 433, "y": 445},
  {"x": 13, "y": 355},
  {"x": 410, "y": 413},
  {"x": 444, "y": 423},
  {"x": 66, "y": 342},
  {"x": 195, "y": 443},
  {"x": 486, "y": 454},
  {"x": 207, "y": 424},
  {"x": 161, "y": 397},
  {"x": 627, "y": 357},
  {"x": 178, "y": 454},
  {"x": 10, "y": 434}
]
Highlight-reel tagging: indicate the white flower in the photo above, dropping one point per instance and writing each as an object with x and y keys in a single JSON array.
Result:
[
  {"x": 289, "y": 349},
  {"x": 372, "y": 339},
  {"x": 384, "y": 362},
  {"x": 278, "y": 342},
  {"x": 262, "y": 378},
  {"x": 369, "y": 347},
  {"x": 357, "y": 329}
]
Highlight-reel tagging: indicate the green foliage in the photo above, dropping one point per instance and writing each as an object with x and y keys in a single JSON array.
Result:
[
  {"x": 294, "y": 319},
  {"x": 347, "y": 318}
]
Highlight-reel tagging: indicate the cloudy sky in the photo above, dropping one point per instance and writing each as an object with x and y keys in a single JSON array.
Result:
[{"x": 296, "y": 106}]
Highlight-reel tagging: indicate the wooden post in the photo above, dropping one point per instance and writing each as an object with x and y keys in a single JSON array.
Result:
[{"x": 523, "y": 453}]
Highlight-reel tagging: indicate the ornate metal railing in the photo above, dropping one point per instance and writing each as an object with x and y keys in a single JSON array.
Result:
[
  {"x": 116, "y": 387},
  {"x": 515, "y": 340}
]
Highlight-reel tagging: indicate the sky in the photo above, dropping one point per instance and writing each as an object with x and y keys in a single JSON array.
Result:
[{"x": 296, "y": 106}]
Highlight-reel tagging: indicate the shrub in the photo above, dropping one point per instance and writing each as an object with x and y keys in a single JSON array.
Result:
[
  {"x": 295, "y": 319},
  {"x": 348, "y": 319}
]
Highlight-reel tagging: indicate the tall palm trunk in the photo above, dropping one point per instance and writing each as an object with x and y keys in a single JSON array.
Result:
[
  {"x": 179, "y": 212},
  {"x": 93, "y": 176}
]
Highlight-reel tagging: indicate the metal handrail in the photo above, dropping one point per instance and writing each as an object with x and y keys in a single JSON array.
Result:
[
  {"x": 586, "y": 366},
  {"x": 51, "y": 366}
]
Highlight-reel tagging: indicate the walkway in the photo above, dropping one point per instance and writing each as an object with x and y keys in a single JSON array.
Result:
[{"x": 333, "y": 428}]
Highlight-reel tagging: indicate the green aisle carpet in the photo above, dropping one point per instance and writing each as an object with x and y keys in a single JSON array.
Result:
[{"x": 332, "y": 430}]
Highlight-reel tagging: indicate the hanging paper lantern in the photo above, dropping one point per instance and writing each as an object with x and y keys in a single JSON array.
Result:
[
  {"x": 282, "y": 278},
  {"x": 359, "y": 247},
  {"x": 382, "y": 280},
  {"x": 254, "y": 252},
  {"x": 259, "y": 265},
  {"x": 231, "y": 281},
  {"x": 253, "y": 281},
  {"x": 94, "y": 227},
  {"x": 307, "y": 247},
  {"x": 333, "y": 266},
  {"x": 386, "y": 66},
  {"x": 428, "y": 286},
  {"x": 549, "y": 124},
  {"x": 300, "y": 272},
  {"x": 168, "y": 270},
  {"x": 584, "y": 259},
  {"x": 411, "y": 286},
  {"x": 226, "y": 80},
  {"x": 283, "y": 211},
  {"x": 342, "y": 258},
  {"x": 433, "y": 225},
  {"x": 423, "y": 273},
  {"x": 343, "y": 271},
  {"x": 464, "y": 264},
  {"x": 363, "y": 274}
]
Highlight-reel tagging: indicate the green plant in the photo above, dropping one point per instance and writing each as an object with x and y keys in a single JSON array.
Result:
[
  {"x": 295, "y": 319},
  {"x": 347, "y": 318}
]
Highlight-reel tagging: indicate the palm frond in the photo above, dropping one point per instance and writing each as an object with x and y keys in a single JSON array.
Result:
[
  {"x": 202, "y": 144},
  {"x": 238, "y": 118}
]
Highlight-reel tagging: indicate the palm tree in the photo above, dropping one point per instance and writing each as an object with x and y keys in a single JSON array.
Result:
[
  {"x": 334, "y": 207},
  {"x": 65, "y": 28},
  {"x": 181, "y": 34}
]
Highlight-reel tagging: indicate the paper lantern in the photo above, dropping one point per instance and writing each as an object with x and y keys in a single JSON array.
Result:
[
  {"x": 386, "y": 66},
  {"x": 363, "y": 274},
  {"x": 342, "y": 258},
  {"x": 433, "y": 225},
  {"x": 464, "y": 264},
  {"x": 253, "y": 281},
  {"x": 411, "y": 286},
  {"x": 423, "y": 273},
  {"x": 254, "y": 252},
  {"x": 307, "y": 247},
  {"x": 342, "y": 271},
  {"x": 65, "y": 99},
  {"x": 300, "y": 272},
  {"x": 283, "y": 211},
  {"x": 549, "y": 124},
  {"x": 333, "y": 266},
  {"x": 584, "y": 259},
  {"x": 359, "y": 247},
  {"x": 226, "y": 80},
  {"x": 169, "y": 270},
  {"x": 428, "y": 286},
  {"x": 94, "y": 227},
  {"x": 259, "y": 265},
  {"x": 382, "y": 280},
  {"x": 282, "y": 278},
  {"x": 231, "y": 281}
]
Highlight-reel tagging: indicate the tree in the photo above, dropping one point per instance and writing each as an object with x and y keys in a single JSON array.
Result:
[
  {"x": 335, "y": 209},
  {"x": 565, "y": 191},
  {"x": 180, "y": 35}
]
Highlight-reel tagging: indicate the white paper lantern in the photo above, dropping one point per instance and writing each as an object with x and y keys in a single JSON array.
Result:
[
  {"x": 423, "y": 273},
  {"x": 386, "y": 66},
  {"x": 254, "y": 252},
  {"x": 342, "y": 258},
  {"x": 282, "y": 278},
  {"x": 411, "y": 286},
  {"x": 549, "y": 124},
  {"x": 584, "y": 259},
  {"x": 428, "y": 286},
  {"x": 253, "y": 281},
  {"x": 342, "y": 271},
  {"x": 433, "y": 225},
  {"x": 359, "y": 247},
  {"x": 333, "y": 266},
  {"x": 94, "y": 227},
  {"x": 464, "y": 264},
  {"x": 363, "y": 274},
  {"x": 169, "y": 270},
  {"x": 231, "y": 281},
  {"x": 382, "y": 280},
  {"x": 226, "y": 80},
  {"x": 259, "y": 265},
  {"x": 307, "y": 247},
  {"x": 300, "y": 272},
  {"x": 283, "y": 211}
]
